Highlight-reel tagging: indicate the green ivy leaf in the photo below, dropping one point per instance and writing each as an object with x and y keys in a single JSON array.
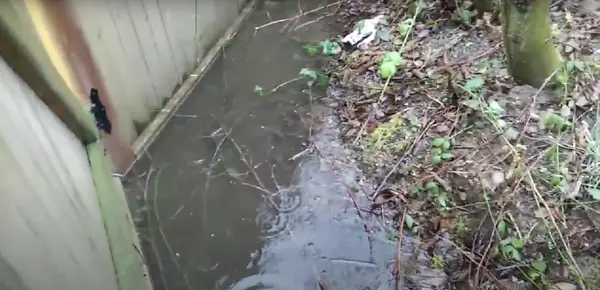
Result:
[
  {"x": 404, "y": 27},
  {"x": 517, "y": 243},
  {"x": 508, "y": 249},
  {"x": 432, "y": 186},
  {"x": 387, "y": 70},
  {"x": 409, "y": 221},
  {"x": 436, "y": 159},
  {"x": 447, "y": 156},
  {"x": 414, "y": 190},
  {"x": 436, "y": 151},
  {"x": 539, "y": 265},
  {"x": 393, "y": 57},
  {"x": 330, "y": 47},
  {"x": 438, "y": 142},
  {"x": 311, "y": 49},
  {"x": 501, "y": 227},
  {"x": 446, "y": 145},
  {"x": 516, "y": 255},
  {"x": 594, "y": 193},
  {"x": 465, "y": 15},
  {"x": 308, "y": 73},
  {"x": 441, "y": 201},
  {"x": 474, "y": 84}
]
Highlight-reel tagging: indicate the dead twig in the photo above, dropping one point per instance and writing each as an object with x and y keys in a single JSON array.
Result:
[
  {"x": 406, "y": 153},
  {"x": 296, "y": 17},
  {"x": 399, "y": 251},
  {"x": 372, "y": 113}
]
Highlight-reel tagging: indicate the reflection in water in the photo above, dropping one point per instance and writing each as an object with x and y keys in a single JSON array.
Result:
[{"x": 208, "y": 224}]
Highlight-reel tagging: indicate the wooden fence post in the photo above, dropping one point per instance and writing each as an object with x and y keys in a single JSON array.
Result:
[
  {"x": 122, "y": 238},
  {"x": 25, "y": 54},
  {"x": 22, "y": 50}
]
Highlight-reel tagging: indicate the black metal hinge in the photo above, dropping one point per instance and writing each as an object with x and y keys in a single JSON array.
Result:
[{"x": 99, "y": 112}]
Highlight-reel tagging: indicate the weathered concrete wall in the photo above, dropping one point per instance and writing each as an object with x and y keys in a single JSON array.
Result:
[{"x": 52, "y": 235}]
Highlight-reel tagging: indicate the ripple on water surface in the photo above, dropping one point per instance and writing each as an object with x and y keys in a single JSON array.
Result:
[{"x": 275, "y": 221}]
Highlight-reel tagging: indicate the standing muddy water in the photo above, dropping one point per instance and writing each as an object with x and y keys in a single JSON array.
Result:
[{"x": 202, "y": 214}]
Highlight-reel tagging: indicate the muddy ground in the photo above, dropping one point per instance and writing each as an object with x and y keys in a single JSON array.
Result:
[{"x": 497, "y": 181}]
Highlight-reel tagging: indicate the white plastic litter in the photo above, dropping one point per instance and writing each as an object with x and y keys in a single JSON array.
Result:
[{"x": 364, "y": 31}]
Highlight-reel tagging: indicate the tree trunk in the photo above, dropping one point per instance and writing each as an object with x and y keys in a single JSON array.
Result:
[
  {"x": 530, "y": 51},
  {"x": 483, "y": 6}
]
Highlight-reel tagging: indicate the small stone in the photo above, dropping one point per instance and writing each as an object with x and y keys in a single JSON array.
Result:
[
  {"x": 496, "y": 106},
  {"x": 565, "y": 111},
  {"x": 497, "y": 177},
  {"x": 568, "y": 49},
  {"x": 442, "y": 129}
]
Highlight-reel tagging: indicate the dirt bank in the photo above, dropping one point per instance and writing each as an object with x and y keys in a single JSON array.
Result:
[{"x": 461, "y": 155}]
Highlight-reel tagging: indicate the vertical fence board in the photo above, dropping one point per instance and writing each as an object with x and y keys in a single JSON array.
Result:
[
  {"x": 23, "y": 51},
  {"x": 127, "y": 257},
  {"x": 51, "y": 231},
  {"x": 102, "y": 39}
]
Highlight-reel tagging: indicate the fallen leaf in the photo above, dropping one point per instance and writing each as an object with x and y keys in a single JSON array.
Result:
[
  {"x": 474, "y": 84},
  {"x": 511, "y": 133},
  {"x": 410, "y": 222},
  {"x": 594, "y": 192}
]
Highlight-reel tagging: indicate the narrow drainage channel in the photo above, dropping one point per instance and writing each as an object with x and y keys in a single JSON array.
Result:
[{"x": 200, "y": 190}]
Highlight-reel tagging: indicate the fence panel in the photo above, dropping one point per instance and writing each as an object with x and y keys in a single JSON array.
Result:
[{"x": 51, "y": 231}]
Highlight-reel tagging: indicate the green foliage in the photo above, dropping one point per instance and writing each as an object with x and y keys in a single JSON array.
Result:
[
  {"x": 438, "y": 194},
  {"x": 555, "y": 123},
  {"x": 389, "y": 65},
  {"x": 311, "y": 49},
  {"x": 465, "y": 15},
  {"x": 488, "y": 67},
  {"x": 330, "y": 47},
  {"x": 474, "y": 84},
  {"x": 326, "y": 47},
  {"x": 537, "y": 269},
  {"x": 312, "y": 76},
  {"x": 510, "y": 245},
  {"x": 461, "y": 228},
  {"x": 437, "y": 262},
  {"x": 568, "y": 68},
  {"x": 441, "y": 150},
  {"x": 409, "y": 221},
  {"x": 404, "y": 27},
  {"x": 594, "y": 193},
  {"x": 386, "y": 135}
]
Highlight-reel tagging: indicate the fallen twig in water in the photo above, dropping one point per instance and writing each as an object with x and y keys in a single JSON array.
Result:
[
  {"x": 250, "y": 167},
  {"x": 162, "y": 232},
  {"x": 297, "y": 16},
  {"x": 300, "y": 154}
]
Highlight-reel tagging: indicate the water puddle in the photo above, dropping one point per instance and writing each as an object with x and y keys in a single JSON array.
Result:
[{"x": 233, "y": 196}]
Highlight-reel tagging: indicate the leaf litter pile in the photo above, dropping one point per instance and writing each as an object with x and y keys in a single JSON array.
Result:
[{"x": 509, "y": 175}]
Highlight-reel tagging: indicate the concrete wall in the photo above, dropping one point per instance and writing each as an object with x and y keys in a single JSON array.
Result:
[{"x": 52, "y": 235}]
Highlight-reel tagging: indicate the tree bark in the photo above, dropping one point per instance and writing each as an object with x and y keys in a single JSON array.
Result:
[
  {"x": 483, "y": 6},
  {"x": 530, "y": 51}
]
